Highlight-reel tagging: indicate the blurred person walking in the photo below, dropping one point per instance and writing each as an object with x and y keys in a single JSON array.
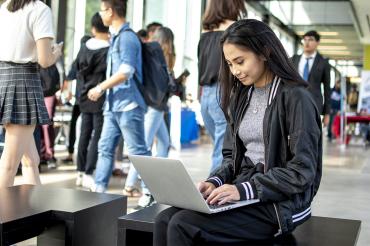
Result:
[
  {"x": 66, "y": 96},
  {"x": 21, "y": 95},
  {"x": 154, "y": 123},
  {"x": 352, "y": 97},
  {"x": 151, "y": 28},
  {"x": 219, "y": 15},
  {"x": 124, "y": 105},
  {"x": 315, "y": 69},
  {"x": 335, "y": 105},
  {"x": 91, "y": 67}
]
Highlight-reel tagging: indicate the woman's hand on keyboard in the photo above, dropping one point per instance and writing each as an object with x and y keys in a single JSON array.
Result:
[
  {"x": 223, "y": 194},
  {"x": 206, "y": 188}
]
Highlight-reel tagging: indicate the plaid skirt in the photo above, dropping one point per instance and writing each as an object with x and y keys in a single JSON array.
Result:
[{"x": 21, "y": 95}]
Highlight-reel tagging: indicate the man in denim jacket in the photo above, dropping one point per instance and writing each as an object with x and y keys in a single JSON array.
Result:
[{"x": 124, "y": 107}]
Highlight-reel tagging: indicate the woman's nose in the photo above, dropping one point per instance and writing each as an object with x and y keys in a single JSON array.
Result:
[{"x": 236, "y": 72}]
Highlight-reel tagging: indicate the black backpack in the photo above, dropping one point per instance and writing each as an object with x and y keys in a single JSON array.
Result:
[
  {"x": 156, "y": 78},
  {"x": 50, "y": 80},
  {"x": 155, "y": 86}
]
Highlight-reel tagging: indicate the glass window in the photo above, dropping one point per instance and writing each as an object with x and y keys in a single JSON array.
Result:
[
  {"x": 155, "y": 10},
  {"x": 92, "y": 6}
]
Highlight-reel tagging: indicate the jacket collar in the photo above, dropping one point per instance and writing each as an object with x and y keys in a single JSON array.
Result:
[
  {"x": 244, "y": 101},
  {"x": 123, "y": 27},
  {"x": 273, "y": 90}
]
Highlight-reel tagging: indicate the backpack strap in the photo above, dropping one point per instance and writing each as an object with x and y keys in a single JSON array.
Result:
[{"x": 136, "y": 78}]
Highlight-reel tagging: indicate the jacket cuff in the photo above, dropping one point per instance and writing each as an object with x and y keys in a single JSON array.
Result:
[
  {"x": 216, "y": 181},
  {"x": 247, "y": 190}
]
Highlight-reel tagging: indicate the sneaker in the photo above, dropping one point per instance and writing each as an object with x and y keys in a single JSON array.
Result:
[
  {"x": 87, "y": 181},
  {"x": 52, "y": 163},
  {"x": 79, "y": 179},
  {"x": 145, "y": 200},
  {"x": 67, "y": 160},
  {"x": 98, "y": 188}
]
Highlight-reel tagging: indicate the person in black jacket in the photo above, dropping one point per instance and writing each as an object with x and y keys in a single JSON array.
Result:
[
  {"x": 315, "y": 69},
  {"x": 218, "y": 16},
  {"x": 65, "y": 97},
  {"x": 272, "y": 149},
  {"x": 91, "y": 67}
]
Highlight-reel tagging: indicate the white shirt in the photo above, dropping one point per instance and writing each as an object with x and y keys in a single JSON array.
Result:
[
  {"x": 21, "y": 29},
  {"x": 303, "y": 60},
  {"x": 95, "y": 44}
]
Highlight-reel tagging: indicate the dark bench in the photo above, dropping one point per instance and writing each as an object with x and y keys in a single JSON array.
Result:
[
  {"x": 137, "y": 229},
  {"x": 59, "y": 216}
]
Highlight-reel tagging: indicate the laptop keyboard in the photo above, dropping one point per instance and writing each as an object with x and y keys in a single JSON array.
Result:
[{"x": 216, "y": 206}]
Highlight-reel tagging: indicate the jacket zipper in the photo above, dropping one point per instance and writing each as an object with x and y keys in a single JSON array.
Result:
[
  {"x": 235, "y": 154},
  {"x": 288, "y": 140},
  {"x": 280, "y": 231},
  {"x": 265, "y": 134}
]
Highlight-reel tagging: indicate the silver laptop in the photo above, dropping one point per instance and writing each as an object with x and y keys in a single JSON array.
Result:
[{"x": 170, "y": 183}]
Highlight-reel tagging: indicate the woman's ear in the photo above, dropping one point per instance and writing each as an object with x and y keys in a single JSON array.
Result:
[
  {"x": 93, "y": 31},
  {"x": 266, "y": 54},
  {"x": 263, "y": 58}
]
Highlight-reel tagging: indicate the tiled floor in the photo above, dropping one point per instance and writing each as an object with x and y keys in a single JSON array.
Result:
[{"x": 344, "y": 190}]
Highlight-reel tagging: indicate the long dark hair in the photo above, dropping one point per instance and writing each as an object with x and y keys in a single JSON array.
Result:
[
  {"x": 15, "y": 5},
  {"x": 164, "y": 36},
  {"x": 258, "y": 38},
  {"x": 218, "y": 11}
]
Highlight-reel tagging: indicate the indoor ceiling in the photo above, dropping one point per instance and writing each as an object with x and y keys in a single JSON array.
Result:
[
  {"x": 343, "y": 24},
  {"x": 337, "y": 42},
  {"x": 361, "y": 9}
]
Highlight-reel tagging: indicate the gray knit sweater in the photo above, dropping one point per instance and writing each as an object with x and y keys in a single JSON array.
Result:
[{"x": 251, "y": 127}]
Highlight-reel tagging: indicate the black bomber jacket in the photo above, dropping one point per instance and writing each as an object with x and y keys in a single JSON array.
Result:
[{"x": 293, "y": 153}]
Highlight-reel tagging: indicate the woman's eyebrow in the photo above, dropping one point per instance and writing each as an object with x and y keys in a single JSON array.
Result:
[{"x": 236, "y": 58}]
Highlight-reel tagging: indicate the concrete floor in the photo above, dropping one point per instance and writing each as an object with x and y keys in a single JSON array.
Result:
[{"x": 344, "y": 191}]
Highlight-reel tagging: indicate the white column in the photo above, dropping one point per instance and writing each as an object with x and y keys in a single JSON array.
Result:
[
  {"x": 55, "y": 11},
  {"x": 184, "y": 19},
  {"x": 193, "y": 30},
  {"x": 176, "y": 19},
  {"x": 137, "y": 15},
  {"x": 79, "y": 25}
]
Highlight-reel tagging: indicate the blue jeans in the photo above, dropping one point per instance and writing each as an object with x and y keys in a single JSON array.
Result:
[
  {"x": 155, "y": 126},
  {"x": 131, "y": 125},
  {"x": 214, "y": 121}
]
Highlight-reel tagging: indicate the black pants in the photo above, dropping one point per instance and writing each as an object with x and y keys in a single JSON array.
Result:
[
  {"x": 72, "y": 128},
  {"x": 175, "y": 227},
  {"x": 91, "y": 127}
]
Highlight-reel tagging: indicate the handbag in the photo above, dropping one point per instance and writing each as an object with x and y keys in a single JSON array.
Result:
[{"x": 50, "y": 80}]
